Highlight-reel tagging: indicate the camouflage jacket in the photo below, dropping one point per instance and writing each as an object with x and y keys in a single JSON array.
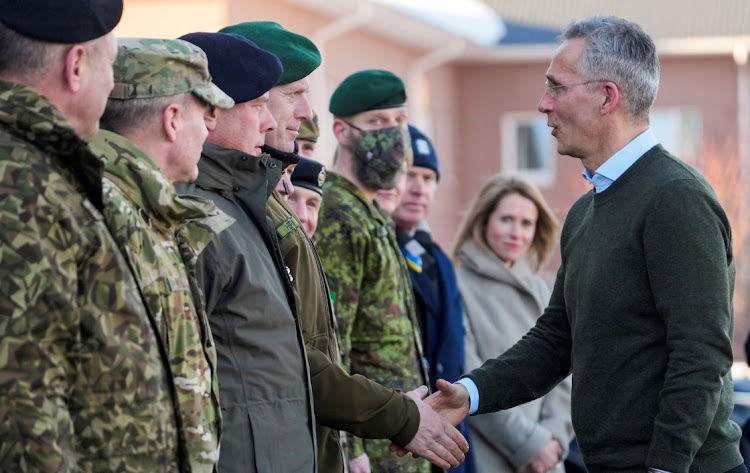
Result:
[
  {"x": 162, "y": 233},
  {"x": 379, "y": 333},
  {"x": 84, "y": 378}
]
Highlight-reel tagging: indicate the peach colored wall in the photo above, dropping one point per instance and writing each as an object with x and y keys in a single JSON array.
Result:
[
  {"x": 707, "y": 83},
  {"x": 170, "y": 18}
]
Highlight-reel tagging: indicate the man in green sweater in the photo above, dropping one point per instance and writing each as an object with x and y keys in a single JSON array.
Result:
[{"x": 641, "y": 312}]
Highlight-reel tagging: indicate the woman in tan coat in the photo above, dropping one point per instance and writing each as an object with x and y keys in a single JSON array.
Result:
[{"x": 504, "y": 239}]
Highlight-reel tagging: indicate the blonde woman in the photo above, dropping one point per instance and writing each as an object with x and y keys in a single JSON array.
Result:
[{"x": 505, "y": 238}]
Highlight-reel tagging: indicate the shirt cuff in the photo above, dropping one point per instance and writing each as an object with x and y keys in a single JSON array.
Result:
[
  {"x": 656, "y": 469},
  {"x": 473, "y": 393}
]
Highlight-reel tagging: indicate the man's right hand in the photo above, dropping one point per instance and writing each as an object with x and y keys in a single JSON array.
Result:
[
  {"x": 436, "y": 440},
  {"x": 450, "y": 401}
]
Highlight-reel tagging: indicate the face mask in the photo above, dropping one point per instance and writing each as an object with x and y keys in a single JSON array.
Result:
[{"x": 379, "y": 156}]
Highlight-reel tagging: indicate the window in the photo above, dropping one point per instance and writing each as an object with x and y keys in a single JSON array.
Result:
[
  {"x": 679, "y": 130},
  {"x": 528, "y": 148}
]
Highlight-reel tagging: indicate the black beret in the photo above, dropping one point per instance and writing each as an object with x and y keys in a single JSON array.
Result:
[
  {"x": 61, "y": 21},
  {"x": 424, "y": 152},
  {"x": 310, "y": 175},
  {"x": 371, "y": 89},
  {"x": 237, "y": 65},
  {"x": 298, "y": 54}
]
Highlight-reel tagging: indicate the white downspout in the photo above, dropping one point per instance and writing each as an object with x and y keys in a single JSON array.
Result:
[
  {"x": 416, "y": 90},
  {"x": 319, "y": 99},
  {"x": 740, "y": 56}
]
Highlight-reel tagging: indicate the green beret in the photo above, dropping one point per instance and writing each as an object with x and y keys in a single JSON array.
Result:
[
  {"x": 309, "y": 130},
  {"x": 371, "y": 89},
  {"x": 298, "y": 55}
]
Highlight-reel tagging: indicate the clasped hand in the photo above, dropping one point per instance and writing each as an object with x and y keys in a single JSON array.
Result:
[{"x": 437, "y": 440}]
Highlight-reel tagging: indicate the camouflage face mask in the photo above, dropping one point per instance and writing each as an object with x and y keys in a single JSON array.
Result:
[{"x": 384, "y": 150}]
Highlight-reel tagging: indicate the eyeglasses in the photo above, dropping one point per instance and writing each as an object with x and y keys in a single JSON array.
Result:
[{"x": 552, "y": 89}]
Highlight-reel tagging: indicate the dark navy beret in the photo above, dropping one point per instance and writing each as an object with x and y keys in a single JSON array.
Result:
[
  {"x": 237, "y": 65},
  {"x": 298, "y": 54},
  {"x": 310, "y": 175},
  {"x": 61, "y": 21},
  {"x": 371, "y": 89},
  {"x": 424, "y": 152}
]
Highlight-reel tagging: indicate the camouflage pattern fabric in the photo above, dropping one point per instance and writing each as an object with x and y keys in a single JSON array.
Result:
[
  {"x": 161, "y": 234},
  {"x": 84, "y": 380},
  {"x": 378, "y": 330},
  {"x": 147, "y": 68},
  {"x": 384, "y": 149}
]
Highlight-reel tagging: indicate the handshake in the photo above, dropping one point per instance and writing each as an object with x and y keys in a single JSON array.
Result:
[{"x": 437, "y": 440}]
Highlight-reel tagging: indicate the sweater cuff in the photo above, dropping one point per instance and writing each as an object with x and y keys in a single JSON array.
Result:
[
  {"x": 407, "y": 434},
  {"x": 668, "y": 461}
]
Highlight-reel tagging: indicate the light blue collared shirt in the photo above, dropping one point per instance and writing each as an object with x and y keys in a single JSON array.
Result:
[{"x": 619, "y": 162}]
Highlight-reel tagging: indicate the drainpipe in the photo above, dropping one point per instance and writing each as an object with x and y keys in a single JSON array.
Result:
[
  {"x": 740, "y": 56},
  {"x": 352, "y": 21},
  {"x": 416, "y": 89}
]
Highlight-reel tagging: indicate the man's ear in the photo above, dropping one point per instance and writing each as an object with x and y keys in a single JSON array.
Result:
[
  {"x": 340, "y": 131},
  {"x": 170, "y": 120},
  {"x": 611, "y": 98},
  {"x": 210, "y": 117},
  {"x": 75, "y": 63}
]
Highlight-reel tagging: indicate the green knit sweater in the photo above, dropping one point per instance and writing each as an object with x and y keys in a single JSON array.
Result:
[{"x": 641, "y": 314}]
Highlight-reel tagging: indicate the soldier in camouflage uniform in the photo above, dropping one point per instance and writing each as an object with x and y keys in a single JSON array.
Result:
[
  {"x": 84, "y": 378},
  {"x": 374, "y": 303},
  {"x": 164, "y": 85}
]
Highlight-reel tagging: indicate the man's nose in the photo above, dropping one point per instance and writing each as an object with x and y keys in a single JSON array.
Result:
[{"x": 545, "y": 103}]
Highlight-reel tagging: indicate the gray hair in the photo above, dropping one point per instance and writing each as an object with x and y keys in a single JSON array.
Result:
[
  {"x": 124, "y": 116},
  {"x": 619, "y": 51},
  {"x": 25, "y": 58}
]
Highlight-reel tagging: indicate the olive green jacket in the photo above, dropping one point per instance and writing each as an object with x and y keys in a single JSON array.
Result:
[
  {"x": 342, "y": 401},
  {"x": 266, "y": 399}
]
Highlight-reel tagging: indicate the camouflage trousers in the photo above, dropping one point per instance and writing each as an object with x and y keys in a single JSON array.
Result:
[{"x": 383, "y": 460}]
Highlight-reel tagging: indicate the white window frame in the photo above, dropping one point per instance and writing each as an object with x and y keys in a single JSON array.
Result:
[
  {"x": 509, "y": 123},
  {"x": 677, "y": 144}
]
